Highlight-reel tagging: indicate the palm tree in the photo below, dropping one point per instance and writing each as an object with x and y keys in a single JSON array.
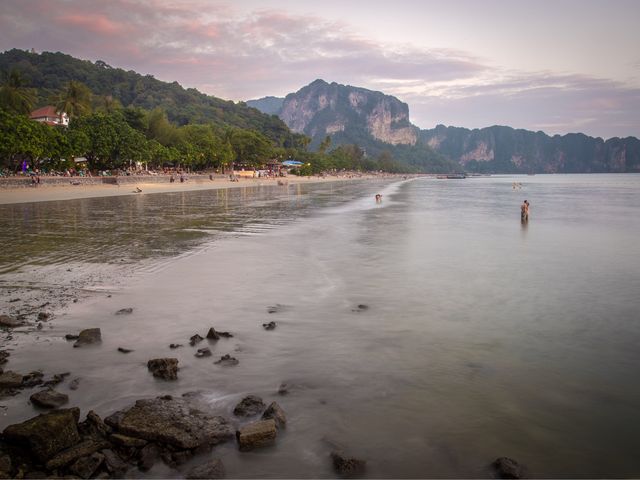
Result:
[
  {"x": 75, "y": 100},
  {"x": 14, "y": 96}
]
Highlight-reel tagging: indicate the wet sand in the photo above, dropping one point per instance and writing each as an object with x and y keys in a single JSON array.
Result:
[{"x": 45, "y": 193}]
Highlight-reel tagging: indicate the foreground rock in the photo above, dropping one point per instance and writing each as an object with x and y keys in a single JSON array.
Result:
[
  {"x": 49, "y": 398},
  {"x": 10, "y": 379},
  {"x": 48, "y": 434},
  {"x": 172, "y": 421},
  {"x": 212, "y": 334},
  {"x": 89, "y": 336},
  {"x": 203, "y": 352},
  {"x": 275, "y": 412},
  {"x": 347, "y": 466},
  {"x": 249, "y": 406},
  {"x": 227, "y": 361},
  {"x": 257, "y": 434},
  {"x": 212, "y": 469},
  {"x": 505, "y": 467},
  {"x": 165, "y": 368}
]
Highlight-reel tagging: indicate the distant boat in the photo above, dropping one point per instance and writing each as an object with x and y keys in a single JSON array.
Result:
[{"x": 456, "y": 176}]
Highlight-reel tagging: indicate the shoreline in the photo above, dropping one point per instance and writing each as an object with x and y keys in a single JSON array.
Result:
[{"x": 128, "y": 185}]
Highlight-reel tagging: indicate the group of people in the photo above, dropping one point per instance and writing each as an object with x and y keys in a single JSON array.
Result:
[{"x": 524, "y": 211}]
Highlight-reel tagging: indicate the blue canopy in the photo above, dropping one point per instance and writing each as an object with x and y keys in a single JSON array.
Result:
[{"x": 292, "y": 163}]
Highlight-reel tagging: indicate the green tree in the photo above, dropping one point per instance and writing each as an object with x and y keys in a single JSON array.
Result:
[
  {"x": 75, "y": 100},
  {"x": 15, "y": 97}
]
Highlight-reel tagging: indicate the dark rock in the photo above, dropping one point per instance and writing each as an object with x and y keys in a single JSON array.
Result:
[
  {"x": 114, "y": 464},
  {"x": 269, "y": 326},
  {"x": 361, "y": 308},
  {"x": 275, "y": 412},
  {"x": 249, "y": 406},
  {"x": 203, "y": 352},
  {"x": 505, "y": 467},
  {"x": 171, "y": 421},
  {"x": 4, "y": 355},
  {"x": 43, "y": 316},
  {"x": 56, "y": 379},
  {"x": 225, "y": 334},
  {"x": 148, "y": 456},
  {"x": 211, "y": 469},
  {"x": 69, "y": 336},
  {"x": 347, "y": 466},
  {"x": 175, "y": 345},
  {"x": 47, "y": 434},
  {"x": 124, "y": 311},
  {"x": 124, "y": 350},
  {"x": 10, "y": 322},
  {"x": 75, "y": 452},
  {"x": 88, "y": 337},
  {"x": 283, "y": 389},
  {"x": 39, "y": 326},
  {"x": 85, "y": 467},
  {"x": 275, "y": 308},
  {"x": 32, "y": 379},
  {"x": 13, "y": 300},
  {"x": 74, "y": 384},
  {"x": 49, "y": 398},
  {"x": 165, "y": 368},
  {"x": 195, "y": 339},
  {"x": 93, "y": 426},
  {"x": 257, "y": 434},
  {"x": 126, "y": 441},
  {"x": 10, "y": 379},
  {"x": 212, "y": 334},
  {"x": 227, "y": 361}
]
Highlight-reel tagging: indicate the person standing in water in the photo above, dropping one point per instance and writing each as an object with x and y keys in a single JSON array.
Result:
[{"x": 524, "y": 211}]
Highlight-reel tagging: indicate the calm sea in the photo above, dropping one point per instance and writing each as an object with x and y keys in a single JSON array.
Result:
[{"x": 481, "y": 337}]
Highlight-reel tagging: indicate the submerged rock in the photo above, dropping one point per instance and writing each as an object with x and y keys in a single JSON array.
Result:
[
  {"x": 249, "y": 406},
  {"x": 165, "y": 368},
  {"x": 361, "y": 308},
  {"x": 269, "y": 326},
  {"x": 10, "y": 322},
  {"x": 48, "y": 434},
  {"x": 124, "y": 311},
  {"x": 74, "y": 384},
  {"x": 212, "y": 334},
  {"x": 70, "y": 336},
  {"x": 44, "y": 316},
  {"x": 124, "y": 350},
  {"x": 195, "y": 339},
  {"x": 83, "y": 449},
  {"x": 56, "y": 379},
  {"x": 88, "y": 337},
  {"x": 175, "y": 345},
  {"x": 227, "y": 361},
  {"x": 203, "y": 352},
  {"x": 347, "y": 466},
  {"x": 171, "y": 421},
  {"x": 212, "y": 469},
  {"x": 49, "y": 398},
  {"x": 505, "y": 467}
]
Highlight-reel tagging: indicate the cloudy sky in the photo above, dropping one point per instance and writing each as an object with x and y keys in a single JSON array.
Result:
[{"x": 559, "y": 66}]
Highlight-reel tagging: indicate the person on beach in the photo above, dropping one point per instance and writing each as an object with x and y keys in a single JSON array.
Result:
[
  {"x": 378, "y": 198},
  {"x": 524, "y": 211}
]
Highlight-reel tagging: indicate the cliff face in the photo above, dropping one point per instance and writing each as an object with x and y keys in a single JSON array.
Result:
[
  {"x": 506, "y": 150},
  {"x": 322, "y": 109}
]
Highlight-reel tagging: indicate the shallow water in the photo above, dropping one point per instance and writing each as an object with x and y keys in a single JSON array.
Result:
[{"x": 482, "y": 337}]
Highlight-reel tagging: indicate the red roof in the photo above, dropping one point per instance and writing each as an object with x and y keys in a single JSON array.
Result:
[{"x": 48, "y": 111}]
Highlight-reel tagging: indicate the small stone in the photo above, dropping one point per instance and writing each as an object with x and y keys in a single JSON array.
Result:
[
  {"x": 257, "y": 434},
  {"x": 124, "y": 311},
  {"x": 283, "y": 389},
  {"x": 49, "y": 398},
  {"x": 56, "y": 379},
  {"x": 124, "y": 350},
  {"x": 74, "y": 384},
  {"x": 212, "y": 335},
  {"x": 88, "y": 337},
  {"x": 225, "y": 334},
  {"x": 175, "y": 345},
  {"x": 32, "y": 379},
  {"x": 165, "y": 368},
  {"x": 82, "y": 449},
  {"x": 227, "y": 361},
  {"x": 10, "y": 322},
  {"x": 39, "y": 327},
  {"x": 269, "y": 326},
  {"x": 203, "y": 352},
  {"x": 211, "y": 469},
  {"x": 361, "y": 308},
  {"x": 505, "y": 467},
  {"x": 275, "y": 412},
  {"x": 249, "y": 406},
  {"x": 43, "y": 316},
  {"x": 69, "y": 336},
  {"x": 347, "y": 466},
  {"x": 195, "y": 339}
]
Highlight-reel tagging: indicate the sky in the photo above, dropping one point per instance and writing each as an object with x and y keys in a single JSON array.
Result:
[{"x": 559, "y": 66}]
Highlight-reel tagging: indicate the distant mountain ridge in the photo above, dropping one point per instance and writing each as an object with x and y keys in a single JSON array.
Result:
[{"x": 379, "y": 122}]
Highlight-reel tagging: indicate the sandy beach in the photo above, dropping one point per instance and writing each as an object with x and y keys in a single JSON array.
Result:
[{"x": 45, "y": 193}]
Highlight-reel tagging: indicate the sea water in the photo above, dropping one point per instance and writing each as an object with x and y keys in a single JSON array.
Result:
[{"x": 428, "y": 334}]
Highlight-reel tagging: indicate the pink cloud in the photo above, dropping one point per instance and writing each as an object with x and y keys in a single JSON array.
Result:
[{"x": 96, "y": 23}]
